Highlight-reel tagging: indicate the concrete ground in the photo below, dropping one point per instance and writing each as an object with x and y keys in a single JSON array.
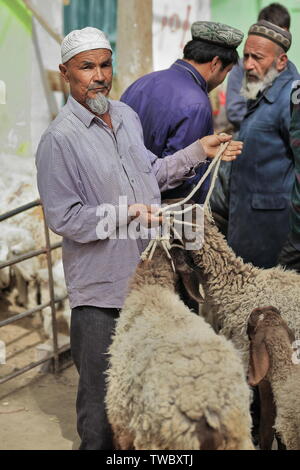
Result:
[{"x": 37, "y": 411}]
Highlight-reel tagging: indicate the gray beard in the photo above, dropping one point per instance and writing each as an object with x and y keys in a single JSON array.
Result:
[
  {"x": 98, "y": 105},
  {"x": 250, "y": 90}
]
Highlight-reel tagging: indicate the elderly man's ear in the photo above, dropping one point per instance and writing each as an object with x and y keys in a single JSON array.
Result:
[
  {"x": 64, "y": 72},
  {"x": 281, "y": 62}
]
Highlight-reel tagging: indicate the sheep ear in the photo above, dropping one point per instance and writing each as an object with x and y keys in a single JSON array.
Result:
[
  {"x": 259, "y": 359},
  {"x": 253, "y": 321},
  {"x": 191, "y": 284}
]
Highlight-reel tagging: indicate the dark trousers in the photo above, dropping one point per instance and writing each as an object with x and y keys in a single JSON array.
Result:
[{"x": 91, "y": 331}]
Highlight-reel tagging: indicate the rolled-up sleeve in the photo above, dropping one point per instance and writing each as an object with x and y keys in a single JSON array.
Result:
[{"x": 63, "y": 200}]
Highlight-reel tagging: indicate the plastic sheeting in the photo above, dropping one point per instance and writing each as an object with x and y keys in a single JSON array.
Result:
[{"x": 15, "y": 73}]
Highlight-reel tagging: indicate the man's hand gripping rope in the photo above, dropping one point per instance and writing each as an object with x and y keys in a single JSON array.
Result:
[{"x": 169, "y": 214}]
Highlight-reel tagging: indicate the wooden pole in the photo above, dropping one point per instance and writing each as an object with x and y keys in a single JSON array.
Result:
[
  {"x": 52, "y": 105},
  {"x": 57, "y": 37},
  {"x": 134, "y": 42}
]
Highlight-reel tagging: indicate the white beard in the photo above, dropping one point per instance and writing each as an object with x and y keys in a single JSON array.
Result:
[
  {"x": 98, "y": 105},
  {"x": 250, "y": 89}
]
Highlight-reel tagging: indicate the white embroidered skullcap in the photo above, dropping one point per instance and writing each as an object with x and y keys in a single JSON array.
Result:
[{"x": 81, "y": 40}]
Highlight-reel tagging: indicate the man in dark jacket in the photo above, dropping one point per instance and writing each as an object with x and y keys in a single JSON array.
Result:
[
  {"x": 290, "y": 254},
  {"x": 261, "y": 181},
  {"x": 173, "y": 104}
]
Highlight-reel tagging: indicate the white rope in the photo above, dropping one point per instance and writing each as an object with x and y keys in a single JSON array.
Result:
[
  {"x": 215, "y": 161},
  {"x": 213, "y": 182},
  {"x": 164, "y": 241}
]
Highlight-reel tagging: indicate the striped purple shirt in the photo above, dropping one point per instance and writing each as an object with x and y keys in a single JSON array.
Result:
[{"x": 82, "y": 167}]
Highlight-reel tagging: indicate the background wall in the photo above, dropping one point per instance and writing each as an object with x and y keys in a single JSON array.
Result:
[
  {"x": 100, "y": 14},
  {"x": 172, "y": 21}
]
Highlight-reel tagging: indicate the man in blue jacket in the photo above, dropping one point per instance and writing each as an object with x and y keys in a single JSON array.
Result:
[
  {"x": 173, "y": 104},
  {"x": 236, "y": 104},
  {"x": 261, "y": 181}
]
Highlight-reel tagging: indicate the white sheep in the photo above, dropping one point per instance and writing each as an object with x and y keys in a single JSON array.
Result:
[
  {"x": 23, "y": 232},
  {"x": 233, "y": 288},
  {"x": 172, "y": 382},
  {"x": 4, "y": 272},
  {"x": 271, "y": 360},
  {"x": 60, "y": 291}
]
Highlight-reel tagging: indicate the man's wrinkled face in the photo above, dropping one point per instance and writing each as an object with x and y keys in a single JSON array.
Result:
[
  {"x": 89, "y": 73},
  {"x": 260, "y": 54}
]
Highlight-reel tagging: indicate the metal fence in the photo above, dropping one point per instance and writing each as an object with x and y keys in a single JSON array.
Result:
[{"x": 53, "y": 300}]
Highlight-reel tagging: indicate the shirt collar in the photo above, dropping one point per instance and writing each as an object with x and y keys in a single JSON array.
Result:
[
  {"x": 87, "y": 116},
  {"x": 80, "y": 111},
  {"x": 191, "y": 70},
  {"x": 272, "y": 93}
]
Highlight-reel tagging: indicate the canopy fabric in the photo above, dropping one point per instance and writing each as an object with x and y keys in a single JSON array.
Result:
[
  {"x": 15, "y": 73},
  {"x": 19, "y": 10}
]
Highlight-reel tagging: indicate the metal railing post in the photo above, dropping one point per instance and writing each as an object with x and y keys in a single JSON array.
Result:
[{"x": 52, "y": 295}]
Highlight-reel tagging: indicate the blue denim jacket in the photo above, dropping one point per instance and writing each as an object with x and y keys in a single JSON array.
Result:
[{"x": 262, "y": 177}]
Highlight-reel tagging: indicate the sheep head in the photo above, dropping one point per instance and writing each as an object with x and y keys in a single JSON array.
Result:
[
  {"x": 266, "y": 330},
  {"x": 182, "y": 259}
]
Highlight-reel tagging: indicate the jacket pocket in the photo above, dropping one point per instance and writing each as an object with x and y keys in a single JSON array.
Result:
[{"x": 268, "y": 202}]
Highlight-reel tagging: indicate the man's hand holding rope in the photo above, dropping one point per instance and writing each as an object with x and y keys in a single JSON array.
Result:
[
  {"x": 149, "y": 216},
  {"x": 211, "y": 143}
]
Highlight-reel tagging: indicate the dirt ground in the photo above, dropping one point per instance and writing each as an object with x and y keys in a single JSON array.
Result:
[
  {"x": 37, "y": 409},
  {"x": 37, "y": 412}
]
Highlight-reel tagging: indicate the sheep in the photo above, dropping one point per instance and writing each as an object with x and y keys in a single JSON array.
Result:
[
  {"x": 233, "y": 288},
  {"x": 271, "y": 361},
  {"x": 18, "y": 187},
  {"x": 172, "y": 383},
  {"x": 23, "y": 233},
  {"x": 4, "y": 272},
  {"x": 60, "y": 291}
]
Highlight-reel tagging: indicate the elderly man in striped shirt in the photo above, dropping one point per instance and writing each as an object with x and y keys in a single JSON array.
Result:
[{"x": 90, "y": 160}]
